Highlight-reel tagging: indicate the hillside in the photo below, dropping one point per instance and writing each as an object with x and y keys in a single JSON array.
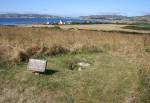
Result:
[
  {"x": 108, "y": 17},
  {"x": 145, "y": 18},
  {"x": 17, "y": 15}
]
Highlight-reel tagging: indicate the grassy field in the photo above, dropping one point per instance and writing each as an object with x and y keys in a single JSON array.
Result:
[
  {"x": 119, "y": 70},
  {"x": 138, "y": 27},
  {"x": 99, "y": 27}
]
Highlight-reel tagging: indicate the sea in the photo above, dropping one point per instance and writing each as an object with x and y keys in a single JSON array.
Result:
[{"x": 22, "y": 21}]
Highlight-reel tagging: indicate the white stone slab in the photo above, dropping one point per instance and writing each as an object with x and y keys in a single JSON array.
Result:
[{"x": 37, "y": 65}]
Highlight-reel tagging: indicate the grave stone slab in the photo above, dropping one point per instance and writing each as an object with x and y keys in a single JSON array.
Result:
[{"x": 37, "y": 65}]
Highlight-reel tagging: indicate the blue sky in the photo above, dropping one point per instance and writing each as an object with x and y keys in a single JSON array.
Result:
[{"x": 76, "y": 7}]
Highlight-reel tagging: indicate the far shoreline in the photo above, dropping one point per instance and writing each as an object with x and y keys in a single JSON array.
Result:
[{"x": 90, "y": 27}]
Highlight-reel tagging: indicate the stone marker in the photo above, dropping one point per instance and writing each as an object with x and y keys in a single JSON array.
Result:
[
  {"x": 83, "y": 65},
  {"x": 36, "y": 65}
]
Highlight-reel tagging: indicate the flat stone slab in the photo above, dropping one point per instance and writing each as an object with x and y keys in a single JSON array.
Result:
[
  {"x": 37, "y": 65},
  {"x": 83, "y": 64}
]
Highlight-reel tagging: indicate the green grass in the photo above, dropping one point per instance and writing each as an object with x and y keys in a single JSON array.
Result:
[
  {"x": 144, "y": 76},
  {"x": 147, "y": 48},
  {"x": 109, "y": 79},
  {"x": 120, "y": 31},
  {"x": 138, "y": 27}
]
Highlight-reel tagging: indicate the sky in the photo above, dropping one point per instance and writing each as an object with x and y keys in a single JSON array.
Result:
[{"x": 77, "y": 7}]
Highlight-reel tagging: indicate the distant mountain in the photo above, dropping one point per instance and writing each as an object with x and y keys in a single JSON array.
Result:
[
  {"x": 17, "y": 15},
  {"x": 105, "y": 17},
  {"x": 141, "y": 18},
  {"x": 110, "y": 18},
  {"x": 119, "y": 18}
]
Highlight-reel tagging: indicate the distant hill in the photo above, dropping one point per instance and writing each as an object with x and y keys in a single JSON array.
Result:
[
  {"x": 17, "y": 15},
  {"x": 119, "y": 18},
  {"x": 142, "y": 18},
  {"x": 106, "y": 17},
  {"x": 110, "y": 18}
]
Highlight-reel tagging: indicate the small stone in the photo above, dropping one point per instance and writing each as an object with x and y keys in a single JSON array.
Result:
[
  {"x": 80, "y": 69},
  {"x": 83, "y": 64},
  {"x": 36, "y": 73}
]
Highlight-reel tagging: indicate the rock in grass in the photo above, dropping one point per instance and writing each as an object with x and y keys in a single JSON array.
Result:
[{"x": 82, "y": 65}]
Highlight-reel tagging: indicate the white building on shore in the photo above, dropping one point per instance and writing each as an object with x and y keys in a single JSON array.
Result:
[{"x": 61, "y": 22}]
